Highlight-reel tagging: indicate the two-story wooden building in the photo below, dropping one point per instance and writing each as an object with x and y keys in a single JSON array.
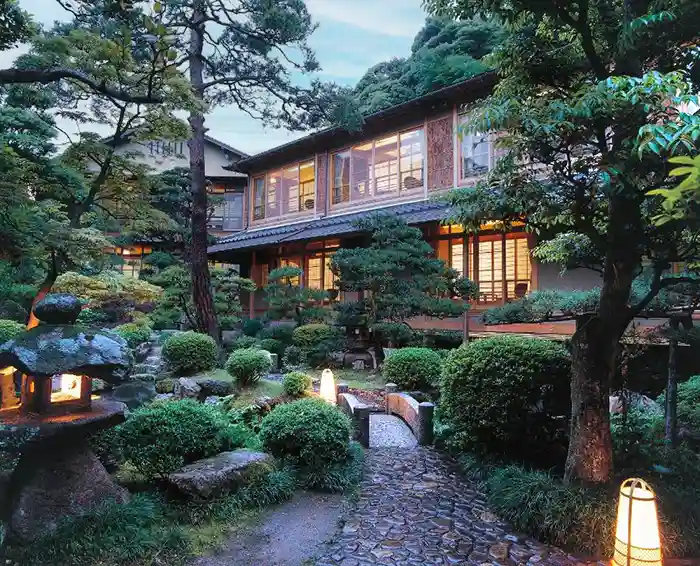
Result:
[{"x": 302, "y": 198}]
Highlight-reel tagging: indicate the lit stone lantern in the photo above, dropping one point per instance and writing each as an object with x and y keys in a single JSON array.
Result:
[
  {"x": 327, "y": 389},
  {"x": 57, "y": 474},
  {"x": 637, "y": 539}
]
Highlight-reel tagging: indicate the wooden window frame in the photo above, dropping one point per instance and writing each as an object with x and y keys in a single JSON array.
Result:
[
  {"x": 259, "y": 209},
  {"x": 463, "y": 179}
]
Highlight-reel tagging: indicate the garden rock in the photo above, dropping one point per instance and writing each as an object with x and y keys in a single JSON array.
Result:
[
  {"x": 142, "y": 351},
  {"x": 134, "y": 394},
  {"x": 225, "y": 472},
  {"x": 212, "y": 400},
  {"x": 218, "y": 387},
  {"x": 164, "y": 397},
  {"x": 635, "y": 401},
  {"x": 142, "y": 377},
  {"x": 358, "y": 360},
  {"x": 186, "y": 388}
]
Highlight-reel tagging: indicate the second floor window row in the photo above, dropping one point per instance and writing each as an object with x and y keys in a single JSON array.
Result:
[
  {"x": 285, "y": 191},
  {"x": 389, "y": 165}
]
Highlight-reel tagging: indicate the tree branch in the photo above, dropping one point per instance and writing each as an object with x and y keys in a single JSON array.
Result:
[{"x": 25, "y": 76}]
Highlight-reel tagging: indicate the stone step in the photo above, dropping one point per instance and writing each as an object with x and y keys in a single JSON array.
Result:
[
  {"x": 142, "y": 377},
  {"x": 146, "y": 368},
  {"x": 155, "y": 360}
]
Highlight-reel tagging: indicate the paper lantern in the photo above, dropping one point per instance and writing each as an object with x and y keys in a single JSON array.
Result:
[
  {"x": 637, "y": 539},
  {"x": 327, "y": 390}
]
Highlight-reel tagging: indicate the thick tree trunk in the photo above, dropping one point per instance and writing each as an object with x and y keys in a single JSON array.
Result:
[
  {"x": 201, "y": 278},
  {"x": 590, "y": 443}
]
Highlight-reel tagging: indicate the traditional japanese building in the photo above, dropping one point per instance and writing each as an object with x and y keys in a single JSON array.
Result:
[{"x": 302, "y": 198}]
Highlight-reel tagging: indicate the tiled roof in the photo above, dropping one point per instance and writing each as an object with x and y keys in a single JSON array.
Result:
[{"x": 413, "y": 213}]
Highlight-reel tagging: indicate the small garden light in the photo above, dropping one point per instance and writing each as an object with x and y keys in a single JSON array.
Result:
[
  {"x": 327, "y": 390},
  {"x": 637, "y": 539}
]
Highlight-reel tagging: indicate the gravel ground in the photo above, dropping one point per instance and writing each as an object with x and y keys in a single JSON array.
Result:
[
  {"x": 388, "y": 431},
  {"x": 287, "y": 535}
]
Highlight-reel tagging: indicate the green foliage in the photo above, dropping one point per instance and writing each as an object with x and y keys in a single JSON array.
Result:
[
  {"x": 309, "y": 433},
  {"x": 251, "y": 326},
  {"x": 243, "y": 342},
  {"x": 286, "y": 299},
  {"x": 187, "y": 353},
  {"x": 339, "y": 477},
  {"x": 688, "y": 410},
  {"x": 282, "y": 332},
  {"x": 508, "y": 397},
  {"x": 248, "y": 366},
  {"x": 106, "y": 286},
  {"x": 92, "y": 317},
  {"x": 395, "y": 334},
  {"x": 293, "y": 358},
  {"x": 444, "y": 52},
  {"x": 271, "y": 345},
  {"x": 398, "y": 274},
  {"x": 135, "y": 333},
  {"x": 122, "y": 533},
  {"x": 165, "y": 385},
  {"x": 296, "y": 383},
  {"x": 413, "y": 369},
  {"x": 9, "y": 329},
  {"x": 161, "y": 437},
  {"x": 309, "y": 335}
]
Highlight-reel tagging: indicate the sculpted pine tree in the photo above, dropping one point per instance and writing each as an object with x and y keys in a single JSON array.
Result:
[
  {"x": 240, "y": 53},
  {"x": 397, "y": 277},
  {"x": 580, "y": 82}
]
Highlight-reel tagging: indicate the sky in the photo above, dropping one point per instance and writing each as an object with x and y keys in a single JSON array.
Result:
[{"x": 352, "y": 36}]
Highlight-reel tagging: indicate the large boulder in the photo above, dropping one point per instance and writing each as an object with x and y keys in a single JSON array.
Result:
[
  {"x": 134, "y": 394},
  {"x": 220, "y": 474},
  {"x": 186, "y": 388}
]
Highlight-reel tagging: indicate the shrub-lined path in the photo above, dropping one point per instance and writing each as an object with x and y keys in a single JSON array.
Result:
[{"x": 415, "y": 509}]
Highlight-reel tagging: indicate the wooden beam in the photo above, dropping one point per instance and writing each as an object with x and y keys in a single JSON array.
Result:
[{"x": 251, "y": 294}]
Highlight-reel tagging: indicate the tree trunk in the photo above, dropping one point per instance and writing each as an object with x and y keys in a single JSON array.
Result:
[
  {"x": 201, "y": 278},
  {"x": 671, "y": 420},
  {"x": 590, "y": 442}
]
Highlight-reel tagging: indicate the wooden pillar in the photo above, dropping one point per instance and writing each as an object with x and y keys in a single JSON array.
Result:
[
  {"x": 504, "y": 283},
  {"x": 475, "y": 256},
  {"x": 251, "y": 295}
]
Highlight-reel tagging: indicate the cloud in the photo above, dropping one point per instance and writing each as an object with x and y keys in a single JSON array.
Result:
[{"x": 400, "y": 18}]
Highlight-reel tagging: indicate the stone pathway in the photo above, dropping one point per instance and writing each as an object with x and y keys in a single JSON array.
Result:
[
  {"x": 388, "y": 431},
  {"x": 415, "y": 509}
]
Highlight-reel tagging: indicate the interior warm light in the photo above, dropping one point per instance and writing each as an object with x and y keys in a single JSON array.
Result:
[
  {"x": 327, "y": 390},
  {"x": 637, "y": 539},
  {"x": 65, "y": 387}
]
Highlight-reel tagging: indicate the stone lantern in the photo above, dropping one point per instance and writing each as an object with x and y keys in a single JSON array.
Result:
[{"x": 57, "y": 474}]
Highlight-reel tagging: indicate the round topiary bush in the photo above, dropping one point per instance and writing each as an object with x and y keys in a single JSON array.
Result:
[
  {"x": 309, "y": 433},
  {"x": 190, "y": 352},
  {"x": 165, "y": 385},
  {"x": 243, "y": 342},
  {"x": 251, "y": 326},
  {"x": 271, "y": 345},
  {"x": 161, "y": 437},
  {"x": 310, "y": 335},
  {"x": 508, "y": 397},
  {"x": 296, "y": 383},
  {"x": 412, "y": 369},
  {"x": 248, "y": 366},
  {"x": 9, "y": 329}
]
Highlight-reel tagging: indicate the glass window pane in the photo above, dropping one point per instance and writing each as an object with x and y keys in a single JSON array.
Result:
[
  {"x": 475, "y": 154},
  {"x": 290, "y": 190},
  {"x": 411, "y": 151},
  {"x": 307, "y": 186},
  {"x": 328, "y": 275},
  {"x": 259, "y": 199},
  {"x": 361, "y": 172},
  {"x": 386, "y": 165},
  {"x": 314, "y": 273},
  {"x": 457, "y": 259},
  {"x": 340, "y": 189},
  {"x": 274, "y": 180}
]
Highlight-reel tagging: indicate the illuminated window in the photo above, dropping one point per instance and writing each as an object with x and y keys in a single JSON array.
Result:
[
  {"x": 314, "y": 272},
  {"x": 273, "y": 184},
  {"x": 132, "y": 257},
  {"x": 287, "y": 262},
  {"x": 390, "y": 165},
  {"x": 288, "y": 191}
]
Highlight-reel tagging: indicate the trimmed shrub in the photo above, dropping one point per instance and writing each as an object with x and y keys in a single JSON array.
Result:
[
  {"x": 412, "y": 368},
  {"x": 248, "y": 366},
  {"x": 688, "y": 403},
  {"x": 91, "y": 317},
  {"x": 251, "y": 326},
  {"x": 187, "y": 353},
  {"x": 293, "y": 358},
  {"x": 296, "y": 383},
  {"x": 165, "y": 385},
  {"x": 282, "y": 332},
  {"x": 310, "y": 335},
  {"x": 271, "y": 345},
  {"x": 339, "y": 476},
  {"x": 396, "y": 334},
  {"x": 243, "y": 342},
  {"x": 309, "y": 433},
  {"x": 508, "y": 397},
  {"x": 135, "y": 333},
  {"x": 161, "y": 437},
  {"x": 9, "y": 329}
]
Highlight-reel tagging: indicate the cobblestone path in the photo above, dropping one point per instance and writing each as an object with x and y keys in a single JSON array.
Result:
[{"x": 414, "y": 509}]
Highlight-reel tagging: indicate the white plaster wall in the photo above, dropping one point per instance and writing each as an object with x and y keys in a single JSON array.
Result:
[
  {"x": 549, "y": 277},
  {"x": 215, "y": 158}
]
